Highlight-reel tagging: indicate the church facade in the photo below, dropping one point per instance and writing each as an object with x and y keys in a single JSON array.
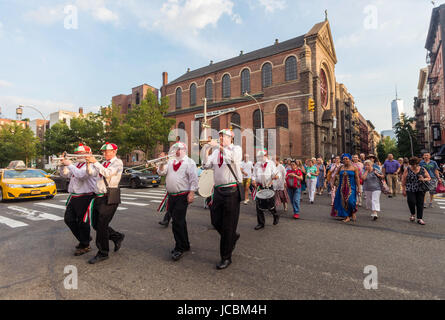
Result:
[{"x": 268, "y": 88}]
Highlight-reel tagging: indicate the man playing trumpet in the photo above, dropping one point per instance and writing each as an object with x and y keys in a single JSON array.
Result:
[
  {"x": 81, "y": 189},
  {"x": 108, "y": 175},
  {"x": 181, "y": 183}
]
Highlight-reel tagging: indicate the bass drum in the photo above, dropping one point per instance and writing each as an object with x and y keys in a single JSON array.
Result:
[{"x": 206, "y": 183}]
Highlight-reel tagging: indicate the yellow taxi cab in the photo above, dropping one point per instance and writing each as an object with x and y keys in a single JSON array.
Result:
[{"x": 19, "y": 182}]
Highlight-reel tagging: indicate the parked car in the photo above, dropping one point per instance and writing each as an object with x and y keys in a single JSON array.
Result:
[{"x": 136, "y": 179}]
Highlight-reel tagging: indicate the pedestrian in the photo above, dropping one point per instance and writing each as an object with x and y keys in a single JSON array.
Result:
[
  {"x": 294, "y": 177},
  {"x": 106, "y": 201},
  {"x": 372, "y": 188},
  {"x": 360, "y": 166},
  {"x": 345, "y": 203},
  {"x": 321, "y": 176},
  {"x": 412, "y": 189},
  {"x": 433, "y": 170},
  {"x": 362, "y": 158},
  {"x": 279, "y": 181},
  {"x": 246, "y": 170},
  {"x": 335, "y": 167},
  {"x": 304, "y": 184},
  {"x": 390, "y": 170},
  {"x": 311, "y": 179}
]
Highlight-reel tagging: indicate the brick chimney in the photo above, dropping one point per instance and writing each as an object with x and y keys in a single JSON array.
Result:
[
  {"x": 164, "y": 78},
  {"x": 81, "y": 110}
]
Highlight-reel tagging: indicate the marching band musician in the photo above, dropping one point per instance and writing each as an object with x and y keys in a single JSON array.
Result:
[
  {"x": 264, "y": 172},
  {"x": 108, "y": 176},
  {"x": 226, "y": 199},
  {"x": 181, "y": 184},
  {"x": 81, "y": 189}
]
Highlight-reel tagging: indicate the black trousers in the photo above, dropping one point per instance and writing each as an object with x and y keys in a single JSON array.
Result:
[
  {"x": 167, "y": 217},
  {"x": 177, "y": 210},
  {"x": 102, "y": 216},
  {"x": 260, "y": 212},
  {"x": 74, "y": 219},
  {"x": 224, "y": 216},
  {"x": 415, "y": 200}
]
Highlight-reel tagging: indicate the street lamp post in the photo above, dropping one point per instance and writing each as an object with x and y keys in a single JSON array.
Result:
[
  {"x": 259, "y": 107},
  {"x": 44, "y": 124}
]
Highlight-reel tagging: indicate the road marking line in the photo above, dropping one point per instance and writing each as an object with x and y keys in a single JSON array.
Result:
[
  {"x": 136, "y": 204},
  {"x": 64, "y": 208},
  {"x": 149, "y": 197},
  {"x": 12, "y": 223},
  {"x": 152, "y": 192},
  {"x": 156, "y": 201},
  {"x": 34, "y": 215}
]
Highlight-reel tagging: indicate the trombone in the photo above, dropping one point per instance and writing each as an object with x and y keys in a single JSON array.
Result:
[{"x": 148, "y": 164}]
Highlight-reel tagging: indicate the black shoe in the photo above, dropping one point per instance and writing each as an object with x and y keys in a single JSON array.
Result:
[
  {"x": 223, "y": 264},
  {"x": 80, "y": 246},
  {"x": 185, "y": 250},
  {"x": 389, "y": 196},
  {"x": 260, "y": 226},
  {"x": 276, "y": 219},
  {"x": 117, "y": 244},
  {"x": 97, "y": 258},
  {"x": 82, "y": 250},
  {"x": 164, "y": 223},
  {"x": 176, "y": 255},
  {"x": 236, "y": 240}
]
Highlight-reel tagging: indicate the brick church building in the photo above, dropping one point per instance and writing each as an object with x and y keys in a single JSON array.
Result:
[{"x": 280, "y": 79}]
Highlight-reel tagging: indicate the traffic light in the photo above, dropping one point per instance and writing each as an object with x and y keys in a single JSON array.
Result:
[{"x": 311, "y": 105}]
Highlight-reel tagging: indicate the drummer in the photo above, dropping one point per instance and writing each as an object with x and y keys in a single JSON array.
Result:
[{"x": 264, "y": 172}]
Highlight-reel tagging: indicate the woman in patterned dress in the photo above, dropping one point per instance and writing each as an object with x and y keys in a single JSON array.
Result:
[{"x": 345, "y": 203}]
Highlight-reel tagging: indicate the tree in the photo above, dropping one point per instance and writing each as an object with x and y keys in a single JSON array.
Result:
[
  {"x": 114, "y": 131},
  {"x": 405, "y": 136},
  {"x": 89, "y": 130},
  {"x": 17, "y": 143},
  {"x": 146, "y": 125},
  {"x": 58, "y": 139},
  {"x": 385, "y": 147}
]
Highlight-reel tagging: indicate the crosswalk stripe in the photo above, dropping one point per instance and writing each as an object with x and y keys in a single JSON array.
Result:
[
  {"x": 150, "y": 197},
  {"x": 152, "y": 192},
  {"x": 136, "y": 204},
  {"x": 51, "y": 205},
  {"x": 156, "y": 201},
  {"x": 34, "y": 215},
  {"x": 12, "y": 223}
]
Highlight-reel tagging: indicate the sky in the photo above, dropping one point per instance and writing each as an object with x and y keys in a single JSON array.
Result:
[{"x": 62, "y": 55}]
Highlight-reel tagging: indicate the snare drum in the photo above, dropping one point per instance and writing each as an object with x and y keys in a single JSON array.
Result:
[{"x": 265, "y": 199}]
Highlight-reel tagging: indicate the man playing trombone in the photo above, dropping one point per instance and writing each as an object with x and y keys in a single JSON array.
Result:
[
  {"x": 181, "y": 183},
  {"x": 81, "y": 189}
]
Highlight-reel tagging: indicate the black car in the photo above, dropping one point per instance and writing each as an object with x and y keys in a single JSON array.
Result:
[
  {"x": 136, "y": 179},
  {"x": 61, "y": 182}
]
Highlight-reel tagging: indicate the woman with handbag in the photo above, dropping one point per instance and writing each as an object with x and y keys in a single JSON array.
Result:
[
  {"x": 372, "y": 188},
  {"x": 294, "y": 177},
  {"x": 414, "y": 187}
]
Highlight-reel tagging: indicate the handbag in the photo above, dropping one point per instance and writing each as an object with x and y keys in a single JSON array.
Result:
[
  {"x": 440, "y": 187},
  {"x": 239, "y": 185},
  {"x": 114, "y": 194},
  {"x": 384, "y": 186},
  {"x": 426, "y": 186}
]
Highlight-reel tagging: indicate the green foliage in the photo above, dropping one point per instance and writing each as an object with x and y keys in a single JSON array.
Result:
[
  {"x": 146, "y": 125},
  {"x": 405, "y": 135},
  {"x": 17, "y": 143},
  {"x": 385, "y": 147},
  {"x": 59, "y": 138},
  {"x": 89, "y": 131}
]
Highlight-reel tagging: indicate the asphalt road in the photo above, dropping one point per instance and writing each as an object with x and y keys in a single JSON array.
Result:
[{"x": 316, "y": 257}]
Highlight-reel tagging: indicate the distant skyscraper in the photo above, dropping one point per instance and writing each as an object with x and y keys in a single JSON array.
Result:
[{"x": 396, "y": 110}]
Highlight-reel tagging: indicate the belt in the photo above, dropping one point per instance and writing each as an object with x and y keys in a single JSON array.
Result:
[
  {"x": 164, "y": 204},
  {"x": 77, "y": 195},
  {"x": 228, "y": 185}
]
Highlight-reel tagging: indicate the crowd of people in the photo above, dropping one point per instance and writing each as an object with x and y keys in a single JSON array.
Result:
[{"x": 351, "y": 181}]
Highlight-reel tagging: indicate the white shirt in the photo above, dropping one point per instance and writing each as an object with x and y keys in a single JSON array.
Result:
[
  {"x": 264, "y": 176},
  {"x": 279, "y": 183},
  {"x": 80, "y": 181},
  {"x": 231, "y": 155},
  {"x": 185, "y": 179},
  {"x": 247, "y": 168},
  {"x": 112, "y": 172}
]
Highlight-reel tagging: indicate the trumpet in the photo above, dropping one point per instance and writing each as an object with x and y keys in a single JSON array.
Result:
[
  {"x": 202, "y": 143},
  {"x": 74, "y": 157},
  {"x": 148, "y": 164}
]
